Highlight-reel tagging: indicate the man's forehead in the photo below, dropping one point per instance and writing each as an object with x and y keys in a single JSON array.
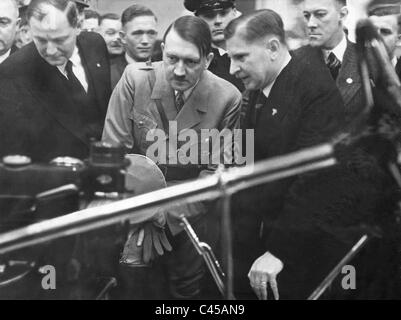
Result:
[
  {"x": 238, "y": 45},
  {"x": 8, "y": 9},
  {"x": 389, "y": 21},
  {"x": 142, "y": 22},
  {"x": 176, "y": 45},
  {"x": 111, "y": 23},
  {"x": 314, "y": 5},
  {"x": 50, "y": 18}
]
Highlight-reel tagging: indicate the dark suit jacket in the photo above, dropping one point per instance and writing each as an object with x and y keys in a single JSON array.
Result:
[
  {"x": 304, "y": 109},
  {"x": 325, "y": 213},
  {"x": 348, "y": 80},
  {"x": 46, "y": 122},
  {"x": 117, "y": 67}
]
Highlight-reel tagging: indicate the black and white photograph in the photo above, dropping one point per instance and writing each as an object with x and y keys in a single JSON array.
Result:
[{"x": 211, "y": 152}]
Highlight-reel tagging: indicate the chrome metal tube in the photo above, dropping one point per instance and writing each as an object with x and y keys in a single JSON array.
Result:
[
  {"x": 134, "y": 208},
  {"x": 338, "y": 268},
  {"x": 207, "y": 253}
]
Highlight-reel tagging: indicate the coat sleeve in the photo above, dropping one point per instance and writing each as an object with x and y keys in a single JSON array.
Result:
[{"x": 118, "y": 127}]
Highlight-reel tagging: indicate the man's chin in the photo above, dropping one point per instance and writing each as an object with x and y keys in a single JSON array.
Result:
[
  {"x": 180, "y": 86},
  {"x": 218, "y": 39},
  {"x": 315, "y": 42},
  {"x": 56, "y": 62},
  {"x": 116, "y": 51}
]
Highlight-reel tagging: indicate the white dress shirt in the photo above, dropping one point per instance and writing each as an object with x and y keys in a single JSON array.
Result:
[
  {"x": 5, "y": 56},
  {"x": 338, "y": 51},
  {"x": 77, "y": 68}
]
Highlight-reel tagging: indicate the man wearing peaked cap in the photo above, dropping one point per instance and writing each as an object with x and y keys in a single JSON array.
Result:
[
  {"x": 384, "y": 7},
  {"x": 82, "y": 4},
  {"x": 201, "y": 6},
  {"x": 386, "y": 16},
  {"x": 217, "y": 14}
]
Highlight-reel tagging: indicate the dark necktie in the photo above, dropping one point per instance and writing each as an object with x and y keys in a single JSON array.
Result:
[
  {"x": 75, "y": 84},
  {"x": 179, "y": 100},
  {"x": 260, "y": 103},
  {"x": 334, "y": 65}
]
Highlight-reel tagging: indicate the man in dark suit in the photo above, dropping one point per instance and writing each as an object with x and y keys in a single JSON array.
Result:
[
  {"x": 217, "y": 14},
  {"x": 61, "y": 83},
  {"x": 328, "y": 44},
  {"x": 386, "y": 16},
  {"x": 292, "y": 106},
  {"x": 8, "y": 28},
  {"x": 139, "y": 34}
]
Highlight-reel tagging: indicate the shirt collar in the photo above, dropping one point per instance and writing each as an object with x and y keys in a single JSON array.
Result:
[
  {"x": 131, "y": 60},
  {"x": 267, "y": 89},
  {"x": 222, "y": 52},
  {"x": 394, "y": 61},
  {"x": 187, "y": 92},
  {"x": 75, "y": 59},
  {"x": 5, "y": 56},
  {"x": 339, "y": 50}
]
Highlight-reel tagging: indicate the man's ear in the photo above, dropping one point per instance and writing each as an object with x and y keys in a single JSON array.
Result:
[
  {"x": 209, "y": 59},
  {"x": 343, "y": 13},
  {"x": 274, "y": 46},
  {"x": 17, "y": 23}
]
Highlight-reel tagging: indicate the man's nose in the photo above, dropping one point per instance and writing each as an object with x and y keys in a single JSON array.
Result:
[
  {"x": 179, "y": 69},
  {"x": 218, "y": 20},
  {"x": 51, "y": 49},
  {"x": 312, "y": 22},
  {"x": 116, "y": 37},
  {"x": 145, "y": 38}
]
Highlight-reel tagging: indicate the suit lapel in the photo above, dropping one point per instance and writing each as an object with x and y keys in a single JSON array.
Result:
[
  {"x": 163, "y": 92},
  {"x": 196, "y": 105},
  {"x": 348, "y": 80},
  {"x": 56, "y": 100},
  {"x": 92, "y": 67}
]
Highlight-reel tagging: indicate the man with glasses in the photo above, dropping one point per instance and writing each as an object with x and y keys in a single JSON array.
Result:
[
  {"x": 217, "y": 14},
  {"x": 177, "y": 91},
  {"x": 138, "y": 36}
]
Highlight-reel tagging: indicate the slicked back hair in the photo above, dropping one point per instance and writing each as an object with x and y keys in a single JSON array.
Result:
[
  {"x": 135, "y": 11},
  {"x": 109, "y": 16},
  {"x": 257, "y": 25},
  {"x": 193, "y": 30},
  {"x": 35, "y": 9},
  {"x": 342, "y": 3}
]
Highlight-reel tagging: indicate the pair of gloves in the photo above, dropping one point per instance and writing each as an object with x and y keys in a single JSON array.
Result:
[{"x": 146, "y": 242}]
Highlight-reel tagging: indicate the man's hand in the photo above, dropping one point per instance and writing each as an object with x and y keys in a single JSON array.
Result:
[{"x": 263, "y": 271}]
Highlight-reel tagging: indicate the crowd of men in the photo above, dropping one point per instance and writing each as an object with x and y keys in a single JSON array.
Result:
[{"x": 69, "y": 75}]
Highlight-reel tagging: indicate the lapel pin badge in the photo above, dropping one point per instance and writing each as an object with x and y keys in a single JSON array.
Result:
[
  {"x": 349, "y": 81},
  {"x": 274, "y": 112},
  {"x": 98, "y": 65}
]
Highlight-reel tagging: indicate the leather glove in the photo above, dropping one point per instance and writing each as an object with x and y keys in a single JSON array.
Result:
[
  {"x": 155, "y": 242},
  {"x": 145, "y": 242}
]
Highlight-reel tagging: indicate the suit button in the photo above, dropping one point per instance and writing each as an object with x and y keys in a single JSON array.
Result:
[{"x": 349, "y": 81}]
